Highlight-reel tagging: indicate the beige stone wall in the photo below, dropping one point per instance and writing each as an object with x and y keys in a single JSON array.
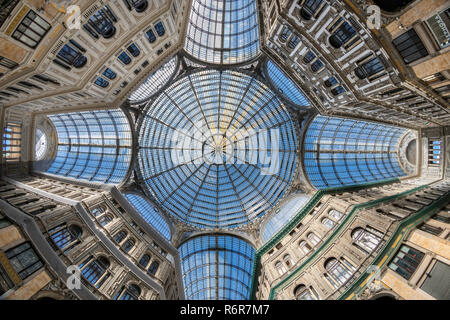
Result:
[
  {"x": 421, "y": 11},
  {"x": 433, "y": 65},
  {"x": 8, "y": 235},
  {"x": 31, "y": 287}
]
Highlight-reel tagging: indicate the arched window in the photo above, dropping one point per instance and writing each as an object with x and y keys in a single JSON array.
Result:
[
  {"x": 310, "y": 8},
  {"x": 124, "y": 57},
  {"x": 154, "y": 267},
  {"x": 72, "y": 56},
  {"x": 105, "y": 220},
  {"x": 313, "y": 239},
  {"x": 317, "y": 65},
  {"x": 150, "y": 34},
  {"x": 110, "y": 74},
  {"x": 128, "y": 245},
  {"x": 293, "y": 42},
  {"x": 309, "y": 56},
  {"x": 102, "y": 23},
  {"x": 304, "y": 246},
  {"x": 336, "y": 214},
  {"x": 367, "y": 239},
  {"x": 285, "y": 34},
  {"x": 160, "y": 30},
  {"x": 101, "y": 82},
  {"x": 131, "y": 293},
  {"x": 369, "y": 68},
  {"x": 92, "y": 271},
  {"x": 97, "y": 211},
  {"x": 328, "y": 223},
  {"x": 340, "y": 271},
  {"x": 330, "y": 82},
  {"x": 338, "y": 90},
  {"x": 64, "y": 236},
  {"x": 288, "y": 260},
  {"x": 301, "y": 292},
  {"x": 120, "y": 236},
  {"x": 280, "y": 268},
  {"x": 138, "y": 5},
  {"x": 342, "y": 35},
  {"x": 144, "y": 260},
  {"x": 134, "y": 50}
]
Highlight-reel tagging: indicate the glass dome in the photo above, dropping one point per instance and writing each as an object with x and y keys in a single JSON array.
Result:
[{"x": 217, "y": 149}]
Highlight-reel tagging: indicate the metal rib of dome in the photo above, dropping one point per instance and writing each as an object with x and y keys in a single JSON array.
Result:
[{"x": 224, "y": 179}]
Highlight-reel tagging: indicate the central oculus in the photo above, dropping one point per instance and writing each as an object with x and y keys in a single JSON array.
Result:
[{"x": 217, "y": 149}]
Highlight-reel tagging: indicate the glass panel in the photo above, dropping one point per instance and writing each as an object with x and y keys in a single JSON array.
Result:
[
  {"x": 217, "y": 267},
  {"x": 341, "y": 152},
  {"x": 223, "y": 31},
  {"x": 92, "y": 146}
]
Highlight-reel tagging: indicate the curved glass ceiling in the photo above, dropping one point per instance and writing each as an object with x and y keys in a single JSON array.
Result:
[
  {"x": 287, "y": 211},
  {"x": 149, "y": 213},
  {"x": 92, "y": 145},
  {"x": 223, "y": 31},
  {"x": 285, "y": 85},
  {"x": 341, "y": 152},
  {"x": 217, "y": 149},
  {"x": 217, "y": 267},
  {"x": 154, "y": 82}
]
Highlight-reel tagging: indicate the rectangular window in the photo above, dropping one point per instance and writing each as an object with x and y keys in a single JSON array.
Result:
[
  {"x": 406, "y": 261},
  {"x": 434, "y": 151},
  {"x": 439, "y": 25},
  {"x": 12, "y": 140},
  {"x": 410, "y": 46},
  {"x": 430, "y": 229},
  {"x": 7, "y": 63},
  {"x": 24, "y": 260},
  {"x": 437, "y": 282},
  {"x": 31, "y": 30}
]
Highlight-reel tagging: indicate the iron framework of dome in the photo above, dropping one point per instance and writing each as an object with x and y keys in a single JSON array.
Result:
[{"x": 222, "y": 181}]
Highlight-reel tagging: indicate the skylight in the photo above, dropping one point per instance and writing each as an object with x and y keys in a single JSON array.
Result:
[
  {"x": 238, "y": 131},
  {"x": 154, "y": 82},
  {"x": 223, "y": 31}
]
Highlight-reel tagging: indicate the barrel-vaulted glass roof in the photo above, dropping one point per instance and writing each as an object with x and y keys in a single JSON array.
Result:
[
  {"x": 154, "y": 82},
  {"x": 286, "y": 86},
  {"x": 283, "y": 215},
  {"x": 92, "y": 145},
  {"x": 223, "y": 31},
  {"x": 217, "y": 149},
  {"x": 342, "y": 152},
  {"x": 149, "y": 213},
  {"x": 217, "y": 267}
]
